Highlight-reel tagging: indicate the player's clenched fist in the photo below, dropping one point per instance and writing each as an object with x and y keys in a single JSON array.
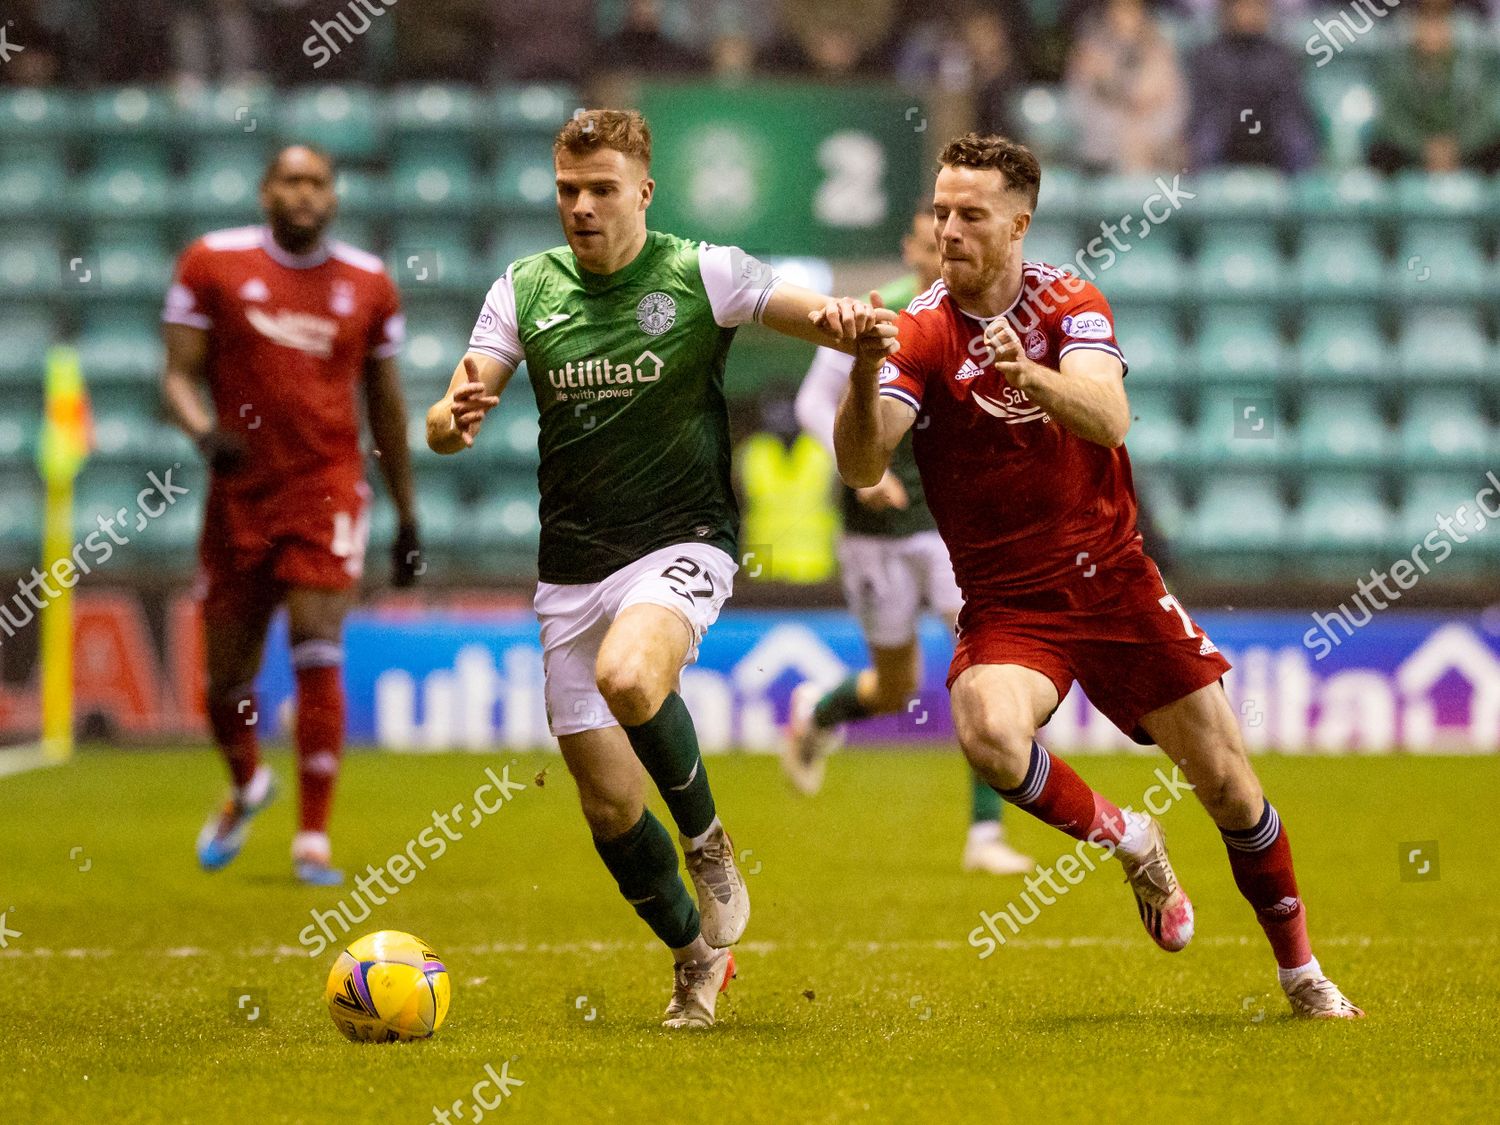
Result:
[
  {"x": 868, "y": 326},
  {"x": 1010, "y": 357}
]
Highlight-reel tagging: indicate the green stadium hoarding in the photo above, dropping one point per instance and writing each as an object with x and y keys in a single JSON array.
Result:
[{"x": 786, "y": 168}]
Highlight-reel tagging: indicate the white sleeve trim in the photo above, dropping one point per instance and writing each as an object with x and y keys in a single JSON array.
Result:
[
  {"x": 1094, "y": 347},
  {"x": 901, "y": 396},
  {"x": 191, "y": 320},
  {"x": 821, "y": 392},
  {"x": 182, "y": 308},
  {"x": 496, "y": 332},
  {"x": 738, "y": 284}
]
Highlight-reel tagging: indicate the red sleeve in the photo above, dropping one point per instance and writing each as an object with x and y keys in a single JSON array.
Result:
[
  {"x": 388, "y": 325},
  {"x": 190, "y": 301},
  {"x": 903, "y": 376},
  {"x": 1084, "y": 321}
]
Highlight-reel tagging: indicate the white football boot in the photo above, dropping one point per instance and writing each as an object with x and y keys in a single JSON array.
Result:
[
  {"x": 723, "y": 902},
  {"x": 1164, "y": 908},
  {"x": 696, "y": 988},
  {"x": 805, "y": 746},
  {"x": 986, "y": 851},
  {"x": 1314, "y": 997}
]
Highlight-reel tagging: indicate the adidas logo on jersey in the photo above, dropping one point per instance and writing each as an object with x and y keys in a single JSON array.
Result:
[
  {"x": 1207, "y": 648},
  {"x": 969, "y": 370}
]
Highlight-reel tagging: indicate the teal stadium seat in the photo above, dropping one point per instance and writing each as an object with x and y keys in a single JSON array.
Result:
[
  {"x": 33, "y": 180},
  {"x": 1341, "y": 513},
  {"x": 1453, "y": 197},
  {"x": 36, "y": 113},
  {"x": 27, "y": 331},
  {"x": 516, "y": 239},
  {"x": 435, "y": 112},
  {"x": 1441, "y": 262},
  {"x": 1352, "y": 196},
  {"x": 128, "y": 267},
  {"x": 1340, "y": 262},
  {"x": 524, "y": 180},
  {"x": 1059, "y": 196},
  {"x": 1240, "y": 262},
  {"x": 508, "y": 443},
  {"x": 238, "y": 114},
  {"x": 1346, "y": 108},
  {"x": 127, "y": 112},
  {"x": 1149, "y": 272},
  {"x": 1242, "y": 425},
  {"x": 1153, "y": 346},
  {"x": 1444, "y": 428},
  {"x": 1344, "y": 345},
  {"x": 1428, "y": 495},
  {"x": 536, "y": 110},
  {"x": 344, "y": 120},
  {"x": 115, "y": 348},
  {"x": 20, "y": 519},
  {"x": 1342, "y": 429},
  {"x": 431, "y": 257},
  {"x": 503, "y": 525},
  {"x": 1241, "y": 514},
  {"x": 30, "y": 264},
  {"x": 131, "y": 184},
  {"x": 436, "y": 338},
  {"x": 1044, "y": 120},
  {"x": 1239, "y": 345},
  {"x": 1158, "y": 436},
  {"x": 438, "y": 513},
  {"x": 223, "y": 187},
  {"x": 1053, "y": 242},
  {"x": 1443, "y": 343},
  {"x": 434, "y": 181},
  {"x": 362, "y": 194},
  {"x": 1243, "y": 195}
]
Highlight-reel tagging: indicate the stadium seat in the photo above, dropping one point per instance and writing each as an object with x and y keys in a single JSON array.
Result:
[
  {"x": 1344, "y": 345},
  {"x": 30, "y": 264},
  {"x": 436, "y": 337},
  {"x": 37, "y": 113},
  {"x": 1242, "y": 424},
  {"x": 1454, "y": 197},
  {"x": 1341, "y": 513},
  {"x": 1239, "y": 262},
  {"x": 362, "y": 194},
  {"x": 1441, "y": 263},
  {"x": 1426, "y": 496},
  {"x": 1353, "y": 196},
  {"x": 33, "y": 181},
  {"x": 1059, "y": 195},
  {"x": 1443, "y": 343},
  {"x": 243, "y": 111},
  {"x": 1240, "y": 513},
  {"x": 524, "y": 180},
  {"x": 130, "y": 111},
  {"x": 431, "y": 257},
  {"x": 1346, "y": 108},
  {"x": 362, "y": 234},
  {"x": 531, "y": 109},
  {"x": 1044, "y": 121},
  {"x": 118, "y": 349},
  {"x": 505, "y": 520},
  {"x": 1053, "y": 242},
  {"x": 517, "y": 239},
  {"x": 27, "y": 331},
  {"x": 1339, "y": 262},
  {"x": 438, "y": 181},
  {"x": 129, "y": 185},
  {"x": 1444, "y": 427},
  {"x": 1258, "y": 196},
  {"x": 1157, "y": 434},
  {"x": 438, "y": 513},
  {"x": 434, "y": 111},
  {"x": 342, "y": 119},
  {"x": 1148, "y": 272},
  {"x": 1153, "y": 347},
  {"x": 125, "y": 266},
  {"x": 1239, "y": 344},
  {"x": 1342, "y": 428},
  {"x": 223, "y": 187},
  {"x": 20, "y": 519}
]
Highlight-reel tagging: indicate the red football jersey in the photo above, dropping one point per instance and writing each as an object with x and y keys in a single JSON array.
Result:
[
  {"x": 1026, "y": 507},
  {"x": 289, "y": 337}
]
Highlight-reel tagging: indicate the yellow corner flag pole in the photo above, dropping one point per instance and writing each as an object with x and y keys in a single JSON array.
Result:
[{"x": 64, "y": 446}]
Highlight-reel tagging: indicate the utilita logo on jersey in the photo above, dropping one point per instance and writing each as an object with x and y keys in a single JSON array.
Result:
[
  {"x": 303, "y": 332},
  {"x": 592, "y": 379}
]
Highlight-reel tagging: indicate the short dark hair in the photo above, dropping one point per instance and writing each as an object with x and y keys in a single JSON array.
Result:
[
  {"x": 623, "y": 130},
  {"x": 1012, "y": 159},
  {"x": 274, "y": 163}
]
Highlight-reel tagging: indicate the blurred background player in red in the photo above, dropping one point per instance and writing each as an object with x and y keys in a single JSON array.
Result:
[{"x": 282, "y": 327}]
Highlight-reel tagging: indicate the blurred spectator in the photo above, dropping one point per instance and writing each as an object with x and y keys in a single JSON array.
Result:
[
  {"x": 1248, "y": 101},
  {"x": 213, "y": 40},
  {"x": 304, "y": 41},
  {"x": 827, "y": 38},
  {"x": 545, "y": 40},
  {"x": 133, "y": 42},
  {"x": 444, "y": 41},
  {"x": 1126, "y": 92},
  {"x": 961, "y": 49},
  {"x": 1439, "y": 102},
  {"x": 640, "y": 44}
]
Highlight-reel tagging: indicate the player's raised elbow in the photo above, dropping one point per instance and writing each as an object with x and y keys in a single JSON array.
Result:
[{"x": 860, "y": 475}]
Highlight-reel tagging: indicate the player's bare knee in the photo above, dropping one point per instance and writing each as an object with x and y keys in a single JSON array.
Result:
[
  {"x": 609, "y": 814},
  {"x": 997, "y": 742},
  {"x": 628, "y": 688},
  {"x": 1227, "y": 787}
]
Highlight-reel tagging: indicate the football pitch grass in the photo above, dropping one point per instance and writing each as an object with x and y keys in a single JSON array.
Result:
[{"x": 859, "y": 995}]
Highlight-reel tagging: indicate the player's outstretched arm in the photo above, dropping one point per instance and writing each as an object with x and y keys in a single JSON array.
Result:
[
  {"x": 868, "y": 427},
  {"x": 1086, "y": 395},
  {"x": 453, "y": 421},
  {"x": 832, "y": 322}
]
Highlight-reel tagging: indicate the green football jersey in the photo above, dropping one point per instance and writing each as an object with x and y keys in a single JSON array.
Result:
[
  {"x": 891, "y": 523},
  {"x": 628, "y": 373}
]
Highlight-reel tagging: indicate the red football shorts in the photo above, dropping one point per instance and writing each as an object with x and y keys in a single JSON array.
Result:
[
  {"x": 1131, "y": 645},
  {"x": 252, "y": 552}
]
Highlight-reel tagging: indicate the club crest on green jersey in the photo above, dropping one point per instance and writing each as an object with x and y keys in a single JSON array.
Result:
[{"x": 656, "y": 313}]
